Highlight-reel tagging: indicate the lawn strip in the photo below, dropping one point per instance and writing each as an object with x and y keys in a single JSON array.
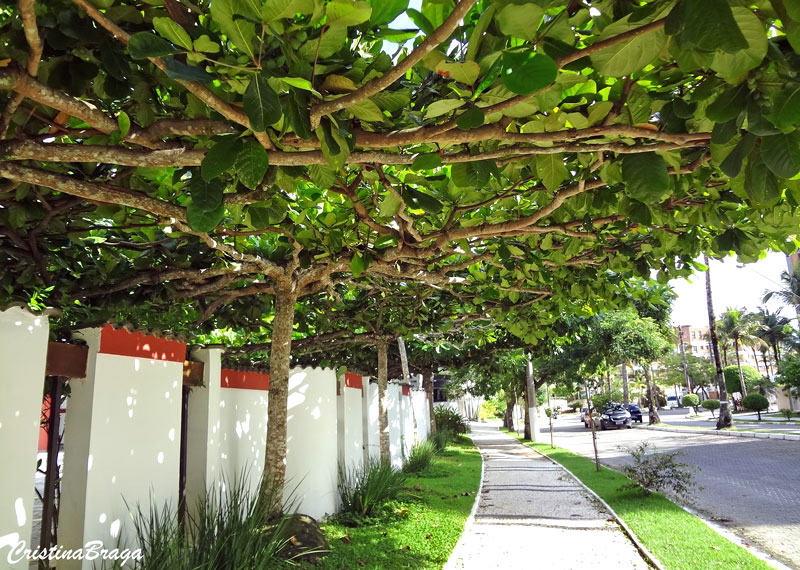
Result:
[
  {"x": 426, "y": 523},
  {"x": 678, "y": 539}
]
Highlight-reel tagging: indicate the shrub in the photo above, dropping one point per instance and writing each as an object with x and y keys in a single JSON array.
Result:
[
  {"x": 576, "y": 405},
  {"x": 420, "y": 457},
  {"x": 691, "y": 401},
  {"x": 756, "y": 403},
  {"x": 711, "y": 405},
  {"x": 787, "y": 412},
  {"x": 654, "y": 471},
  {"x": 489, "y": 409},
  {"x": 450, "y": 420},
  {"x": 229, "y": 528},
  {"x": 440, "y": 438},
  {"x": 732, "y": 383},
  {"x": 364, "y": 488}
]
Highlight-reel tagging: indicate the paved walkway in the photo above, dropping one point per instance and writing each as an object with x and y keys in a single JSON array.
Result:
[{"x": 531, "y": 509}]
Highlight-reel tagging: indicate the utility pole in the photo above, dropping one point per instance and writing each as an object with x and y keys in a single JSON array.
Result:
[
  {"x": 531, "y": 400},
  {"x": 683, "y": 358}
]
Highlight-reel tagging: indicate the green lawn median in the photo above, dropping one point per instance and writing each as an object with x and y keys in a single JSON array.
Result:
[
  {"x": 678, "y": 539},
  {"x": 419, "y": 530}
]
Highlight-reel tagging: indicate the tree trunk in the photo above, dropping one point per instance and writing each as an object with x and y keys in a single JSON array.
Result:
[
  {"x": 401, "y": 347},
  {"x": 427, "y": 380},
  {"x": 724, "y": 419},
  {"x": 755, "y": 358},
  {"x": 532, "y": 403},
  {"x": 608, "y": 380},
  {"x": 626, "y": 398},
  {"x": 594, "y": 431},
  {"x": 683, "y": 362},
  {"x": 652, "y": 398},
  {"x": 508, "y": 419},
  {"x": 274, "y": 476},
  {"x": 742, "y": 387},
  {"x": 526, "y": 395},
  {"x": 383, "y": 380},
  {"x": 766, "y": 364}
]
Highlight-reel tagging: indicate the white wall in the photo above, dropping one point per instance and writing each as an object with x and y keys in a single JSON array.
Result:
[
  {"x": 394, "y": 414},
  {"x": 410, "y": 436},
  {"x": 122, "y": 444},
  {"x": 311, "y": 450},
  {"x": 350, "y": 428},
  {"x": 372, "y": 427},
  {"x": 23, "y": 353},
  {"x": 419, "y": 400}
]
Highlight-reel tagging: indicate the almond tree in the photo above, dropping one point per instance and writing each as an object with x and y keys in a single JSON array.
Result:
[{"x": 250, "y": 154}]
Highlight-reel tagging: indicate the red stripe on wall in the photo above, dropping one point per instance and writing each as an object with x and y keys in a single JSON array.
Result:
[
  {"x": 245, "y": 379},
  {"x": 353, "y": 381},
  {"x": 406, "y": 390},
  {"x": 123, "y": 343}
]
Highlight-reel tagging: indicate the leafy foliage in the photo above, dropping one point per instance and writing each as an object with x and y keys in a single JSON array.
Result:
[
  {"x": 755, "y": 403},
  {"x": 420, "y": 457},
  {"x": 691, "y": 401},
  {"x": 602, "y": 400},
  {"x": 711, "y": 404},
  {"x": 732, "y": 383},
  {"x": 363, "y": 489},
  {"x": 450, "y": 420}
]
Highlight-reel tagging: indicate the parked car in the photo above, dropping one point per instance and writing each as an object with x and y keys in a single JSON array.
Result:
[
  {"x": 614, "y": 415},
  {"x": 636, "y": 413},
  {"x": 672, "y": 402},
  {"x": 583, "y": 413}
]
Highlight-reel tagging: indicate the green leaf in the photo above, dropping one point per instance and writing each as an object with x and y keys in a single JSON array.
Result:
[
  {"x": 759, "y": 182},
  {"x": 273, "y": 213},
  {"x": 709, "y": 25},
  {"x": 792, "y": 8},
  {"x": 296, "y": 109},
  {"x": 470, "y": 174},
  {"x": 786, "y": 108},
  {"x": 732, "y": 164},
  {"x": 466, "y": 72},
  {"x": 358, "y": 264},
  {"x": 427, "y": 161},
  {"x": 220, "y": 158},
  {"x": 177, "y": 70},
  {"x": 781, "y": 154},
  {"x": 389, "y": 205},
  {"x": 205, "y": 45},
  {"x": 144, "y": 44},
  {"x": 366, "y": 110},
  {"x": 520, "y": 20},
  {"x": 277, "y": 9},
  {"x": 734, "y": 65},
  {"x": 251, "y": 164},
  {"x": 331, "y": 41},
  {"x": 420, "y": 21},
  {"x": 240, "y": 31},
  {"x": 206, "y": 196},
  {"x": 347, "y": 12},
  {"x": 421, "y": 201},
  {"x": 384, "y": 11},
  {"x": 525, "y": 72},
  {"x": 204, "y": 220},
  {"x": 551, "y": 170},
  {"x": 169, "y": 29},
  {"x": 442, "y": 107},
  {"x": 321, "y": 175},
  {"x": 124, "y": 122},
  {"x": 728, "y": 104},
  {"x": 261, "y": 104},
  {"x": 645, "y": 176},
  {"x": 470, "y": 119},
  {"x": 629, "y": 56}
]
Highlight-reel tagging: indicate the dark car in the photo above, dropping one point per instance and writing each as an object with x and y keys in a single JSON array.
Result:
[
  {"x": 636, "y": 413},
  {"x": 614, "y": 415}
]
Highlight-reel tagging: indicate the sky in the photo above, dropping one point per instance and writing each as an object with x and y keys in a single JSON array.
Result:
[{"x": 732, "y": 284}]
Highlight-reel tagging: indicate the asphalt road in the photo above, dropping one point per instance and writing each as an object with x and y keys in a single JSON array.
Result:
[
  {"x": 677, "y": 417},
  {"x": 750, "y": 486}
]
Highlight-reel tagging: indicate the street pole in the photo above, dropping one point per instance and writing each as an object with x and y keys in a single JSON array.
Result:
[
  {"x": 683, "y": 358},
  {"x": 531, "y": 401}
]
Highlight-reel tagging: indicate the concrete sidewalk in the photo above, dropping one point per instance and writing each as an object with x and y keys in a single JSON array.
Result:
[{"x": 533, "y": 513}]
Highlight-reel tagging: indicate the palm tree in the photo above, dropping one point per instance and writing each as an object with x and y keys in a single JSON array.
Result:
[
  {"x": 789, "y": 292},
  {"x": 773, "y": 329},
  {"x": 738, "y": 328}
]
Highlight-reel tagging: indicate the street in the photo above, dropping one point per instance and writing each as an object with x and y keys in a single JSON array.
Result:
[{"x": 751, "y": 486}]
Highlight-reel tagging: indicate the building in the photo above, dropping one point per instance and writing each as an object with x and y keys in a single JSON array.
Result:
[{"x": 696, "y": 341}]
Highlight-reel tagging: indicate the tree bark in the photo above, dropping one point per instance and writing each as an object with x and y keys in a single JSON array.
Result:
[
  {"x": 274, "y": 477},
  {"x": 401, "y": 347},
  {"x": 594, "y": 431},
  {"x": 742, "y": 387},
  {"x": 508, "y": 419},
  {"x": 683, "y": 362},
  {"x": 626, "y": 398},
  {"x": 651, "y": 397},
  {"x": 724, "y": 419},
  {"x": 532, "y": 403},
  {"x": 427, "y": 380},
  {"x": 526, "y": 394},
  {"x": 383, "y": 381}
]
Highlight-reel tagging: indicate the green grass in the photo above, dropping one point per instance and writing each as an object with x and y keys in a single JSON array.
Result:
[
  {"x": 424, "y": 525},
  {"x": 679, "y": 540}
]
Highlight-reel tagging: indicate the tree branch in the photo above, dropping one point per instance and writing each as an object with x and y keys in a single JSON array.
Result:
[{"x": 373, "y": 86}]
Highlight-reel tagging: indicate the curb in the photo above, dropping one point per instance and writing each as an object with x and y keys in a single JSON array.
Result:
[
  {"x": 646, "y": 554},
  {"x": 749, "y": 434}
]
